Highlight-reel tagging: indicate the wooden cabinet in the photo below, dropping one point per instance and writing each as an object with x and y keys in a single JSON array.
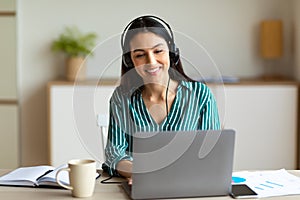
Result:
[
  {"x": 9, "y": 143},
  {"x": 9, "y": 108},
  {"x": 263, "y": 115},
  {"x": 7, "y": 6},
  {"x": 8, "y": 75}
]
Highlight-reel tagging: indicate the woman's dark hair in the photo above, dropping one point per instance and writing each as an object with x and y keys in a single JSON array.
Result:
[{"x": 130, "y": 79}]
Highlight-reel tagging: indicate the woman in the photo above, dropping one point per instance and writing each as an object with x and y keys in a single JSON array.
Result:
[{"x": 155, "y": 94}]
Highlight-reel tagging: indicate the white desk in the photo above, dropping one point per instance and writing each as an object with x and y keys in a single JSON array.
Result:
[{"x": 102, "y": 191}]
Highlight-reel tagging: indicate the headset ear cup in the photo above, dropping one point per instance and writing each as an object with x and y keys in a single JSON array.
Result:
[
  {"x": 127, "y": 60},
  {"x": 174, "y": 56}
]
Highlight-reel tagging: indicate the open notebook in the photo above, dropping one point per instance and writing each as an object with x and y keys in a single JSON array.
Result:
[{"x": 36, "y": 176}]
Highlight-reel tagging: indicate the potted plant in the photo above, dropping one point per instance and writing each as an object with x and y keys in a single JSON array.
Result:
[{"x": 76, "y": 46}]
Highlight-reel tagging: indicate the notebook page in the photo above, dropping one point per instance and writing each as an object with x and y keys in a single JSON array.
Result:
[{"x": 25, "y": 174}]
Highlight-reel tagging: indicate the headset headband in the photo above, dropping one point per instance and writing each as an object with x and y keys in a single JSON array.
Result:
[{"x": 159, "y": 20}]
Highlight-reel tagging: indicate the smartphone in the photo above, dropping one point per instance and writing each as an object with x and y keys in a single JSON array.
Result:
[{"x": 241, "y": 191}]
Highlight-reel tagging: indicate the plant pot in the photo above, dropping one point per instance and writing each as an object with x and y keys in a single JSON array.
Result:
[{"x": 75, "y": 69}]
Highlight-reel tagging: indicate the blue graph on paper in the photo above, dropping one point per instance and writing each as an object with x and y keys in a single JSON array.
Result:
[
  {"x": 236, "y": 179},
  {"x": 269, "y": 183}
]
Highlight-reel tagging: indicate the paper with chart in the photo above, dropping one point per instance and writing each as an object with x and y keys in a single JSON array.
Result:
[{"x": 269, "y": 183}]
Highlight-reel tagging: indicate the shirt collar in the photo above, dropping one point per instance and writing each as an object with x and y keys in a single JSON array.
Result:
[
  {"x": 181, "y": 84},
  {"x": 185, "y": 84}
]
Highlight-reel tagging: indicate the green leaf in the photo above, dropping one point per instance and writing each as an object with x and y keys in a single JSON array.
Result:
[{"x": 73, "y": 42}]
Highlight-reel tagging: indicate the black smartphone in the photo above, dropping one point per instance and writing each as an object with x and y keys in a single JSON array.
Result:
[{"x": 242, "y": 191}]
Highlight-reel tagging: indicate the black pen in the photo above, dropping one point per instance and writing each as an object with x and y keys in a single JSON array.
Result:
[{"x": 47, "y": 172}]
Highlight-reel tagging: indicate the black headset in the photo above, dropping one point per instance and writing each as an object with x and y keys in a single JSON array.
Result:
[{"x": 173, "y": 51}]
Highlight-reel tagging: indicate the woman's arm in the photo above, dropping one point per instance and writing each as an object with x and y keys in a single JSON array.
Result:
[
  {"x": 210, "y": 116},
  {"x": 117, "y": 144},
  {"x": 116, "y": 149}
]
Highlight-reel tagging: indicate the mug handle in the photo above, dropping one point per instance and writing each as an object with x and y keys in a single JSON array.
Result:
[{"x": 69, "y": 187}]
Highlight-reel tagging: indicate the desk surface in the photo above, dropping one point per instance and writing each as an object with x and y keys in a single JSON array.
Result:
[{"x": 102, "y": 191}]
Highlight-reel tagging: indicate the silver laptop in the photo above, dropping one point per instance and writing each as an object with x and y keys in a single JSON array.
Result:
[{"x": 181, "y": 164}]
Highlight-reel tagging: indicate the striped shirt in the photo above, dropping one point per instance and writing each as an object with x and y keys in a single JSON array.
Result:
[{"x": 194, "y": 108}]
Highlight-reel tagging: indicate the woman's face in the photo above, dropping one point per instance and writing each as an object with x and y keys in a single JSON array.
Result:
[{"x": 150, "y": 56}]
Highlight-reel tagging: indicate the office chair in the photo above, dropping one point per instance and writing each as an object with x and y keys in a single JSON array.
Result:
[{"x": 102, "y": 123}]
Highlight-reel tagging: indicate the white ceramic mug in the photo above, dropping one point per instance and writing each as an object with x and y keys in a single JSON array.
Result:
[{"x": 82, "y": 176}]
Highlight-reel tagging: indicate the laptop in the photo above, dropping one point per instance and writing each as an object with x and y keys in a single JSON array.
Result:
[{"x": 175, "y": 164}]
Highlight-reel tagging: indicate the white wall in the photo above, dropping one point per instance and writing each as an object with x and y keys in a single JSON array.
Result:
[{"x": 227, "y": 29}]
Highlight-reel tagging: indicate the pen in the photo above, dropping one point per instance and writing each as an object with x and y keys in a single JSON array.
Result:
[{"x": 47, "y": 172}]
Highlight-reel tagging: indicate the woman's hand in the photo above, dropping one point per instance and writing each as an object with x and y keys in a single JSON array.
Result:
[
  {"x": 129, "y": 181},
  {"x": 124, "y": 168}
]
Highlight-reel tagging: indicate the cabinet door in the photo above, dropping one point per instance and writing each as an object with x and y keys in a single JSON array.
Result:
[
  {"x": 265, "y": 120},
  {"x": 9, "y": 134},
  {"x": 73, "y": 122},
  {"x": 8, "y": 78},
  {"x": 9, "y": 126},
  {"x": 7, "y": 5}
]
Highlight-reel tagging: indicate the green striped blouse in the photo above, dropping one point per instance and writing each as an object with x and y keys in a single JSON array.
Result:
[{"x": 194, "y": 108}]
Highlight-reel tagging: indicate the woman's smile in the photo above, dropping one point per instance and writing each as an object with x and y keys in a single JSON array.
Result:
[{"x": 153, "y": 71}]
